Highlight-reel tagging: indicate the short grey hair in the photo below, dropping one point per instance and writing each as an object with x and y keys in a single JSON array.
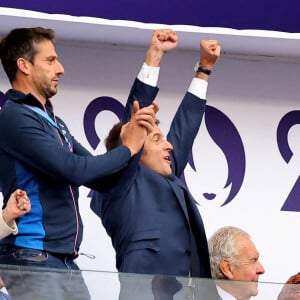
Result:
[{"x": 223, "y": 245}]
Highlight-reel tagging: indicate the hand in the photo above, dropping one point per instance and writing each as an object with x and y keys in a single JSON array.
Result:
[
  {"x": 162, "y": 41},
  {"x": 142, "y": 121},
  {"x": 146, "y": 116},
  {"x": 23, "y": 202},
  {"x": 210, "y": 51},
  {"x": 17, "y": 205}
]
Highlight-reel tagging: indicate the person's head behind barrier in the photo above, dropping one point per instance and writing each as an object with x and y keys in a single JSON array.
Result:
[{"x": 234, "y": 257}]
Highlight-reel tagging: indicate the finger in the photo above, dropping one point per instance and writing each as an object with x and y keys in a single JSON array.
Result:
[
  {"x": 24, "y": 201},
  {"x": 25, "y": 207},
  {"x": 20, "y": 194},
  {"x": 148, "y": 126},
  {"x": 146, "y": 117},
  {"x": 15, "y": 193},
  {"x": 136, "y": 107},
  {"x": 166, "y": 34},
  {"x": 173, "y": 36},
  {"x": 148, "y": 110},
  {"x": 155, "y": 106},
  {"x": 218, "y": 50}
]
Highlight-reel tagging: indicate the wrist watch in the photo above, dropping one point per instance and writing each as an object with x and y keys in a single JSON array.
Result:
[{"x": 198, "y": 68}]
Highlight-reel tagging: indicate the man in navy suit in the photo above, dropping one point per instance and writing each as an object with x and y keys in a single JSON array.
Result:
[{"x": 148, "y": 212}]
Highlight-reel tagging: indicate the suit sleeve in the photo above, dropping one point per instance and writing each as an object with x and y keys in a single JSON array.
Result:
[
  {"x": 183, "y": 130},
  {"x": 117, "y": 185},
  {"x": 114, "y": 187},
  {"x": 141, "y": 92}
]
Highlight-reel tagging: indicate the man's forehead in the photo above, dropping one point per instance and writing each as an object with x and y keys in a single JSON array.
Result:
[
  {"x": 249, "y": 253},
  {"x": 45, "y": 45},
  {"x": 156, "y": 131}
]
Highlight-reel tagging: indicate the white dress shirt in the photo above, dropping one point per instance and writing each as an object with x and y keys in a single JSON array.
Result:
[
  {"x": 149, "y": 75},
  {"x": 224, "y": 295}
]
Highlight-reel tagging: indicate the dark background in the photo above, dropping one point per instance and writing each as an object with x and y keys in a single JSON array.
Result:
[{"x": 275, "y": 15}]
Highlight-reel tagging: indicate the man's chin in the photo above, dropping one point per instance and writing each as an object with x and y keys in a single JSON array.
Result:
[
  {"x": 166, "y": 173},
  {"x": 169, "y": 173},
  {"x": 254, "y": 289},
  {"x": 52, "y": 92}
]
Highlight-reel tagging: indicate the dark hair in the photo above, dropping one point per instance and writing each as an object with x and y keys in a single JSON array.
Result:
[
  {"x": 113, "y": 139},
  {"x": 21, "y": 42}
]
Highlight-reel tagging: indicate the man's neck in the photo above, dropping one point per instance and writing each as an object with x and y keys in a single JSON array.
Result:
[
  {"x": 231, "y": 290},
  {"x": 26, "y": 89}
]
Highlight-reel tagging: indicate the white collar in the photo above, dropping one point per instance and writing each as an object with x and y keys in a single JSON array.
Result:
[{"x": 224, "y": 295}]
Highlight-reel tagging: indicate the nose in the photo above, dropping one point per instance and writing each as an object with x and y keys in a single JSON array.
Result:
[
  {"x": 59, "y": 68},
  {"x": 168, "y": 146},
  {"x": 260, "y": 269}
]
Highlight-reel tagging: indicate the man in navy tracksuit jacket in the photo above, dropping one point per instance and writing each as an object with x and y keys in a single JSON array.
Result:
[{"x": 38, "y": 154}]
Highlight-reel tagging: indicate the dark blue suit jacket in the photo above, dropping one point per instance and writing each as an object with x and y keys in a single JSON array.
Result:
[{"x": 152, "y": 220}]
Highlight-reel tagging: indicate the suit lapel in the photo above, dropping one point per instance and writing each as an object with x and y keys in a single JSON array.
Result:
[{"x": 179, "y": 190}]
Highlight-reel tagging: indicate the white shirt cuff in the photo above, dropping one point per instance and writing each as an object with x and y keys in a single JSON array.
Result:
[
  {"x": 198, "y": 87},
  {"x": 149, "y": 75},
  {"x": 5, "y": 230}
]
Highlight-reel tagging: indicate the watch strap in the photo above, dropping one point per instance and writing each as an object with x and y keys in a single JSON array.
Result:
[{"x": 198, "y": 68}]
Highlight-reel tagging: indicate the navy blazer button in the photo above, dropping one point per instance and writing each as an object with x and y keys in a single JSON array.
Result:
[{"x": 187, "y": 252}]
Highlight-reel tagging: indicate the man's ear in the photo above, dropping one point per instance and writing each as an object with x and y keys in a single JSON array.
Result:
[
  {"x": 24, "y": 65},
  {"x": 225, "y": 268}
]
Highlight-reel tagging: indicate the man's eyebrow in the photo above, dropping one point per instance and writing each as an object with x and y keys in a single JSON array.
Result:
[
  {"x": 157, "y": 135},
  {"x": 51, "y": 57}
]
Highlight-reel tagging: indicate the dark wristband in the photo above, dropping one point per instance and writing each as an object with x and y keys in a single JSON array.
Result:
[{"x": 198, "y": 68}]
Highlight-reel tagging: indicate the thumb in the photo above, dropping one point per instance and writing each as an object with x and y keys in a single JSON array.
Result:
[{"x": 136, "y": 107}]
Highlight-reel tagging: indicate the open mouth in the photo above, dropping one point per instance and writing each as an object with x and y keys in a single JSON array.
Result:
[{"x": 167, "y": 158}]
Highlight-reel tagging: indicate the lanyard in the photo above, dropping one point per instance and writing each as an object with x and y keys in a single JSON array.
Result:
[
  {"x": 43, "y": 114},
  {"x": 51, "y": 121}
]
